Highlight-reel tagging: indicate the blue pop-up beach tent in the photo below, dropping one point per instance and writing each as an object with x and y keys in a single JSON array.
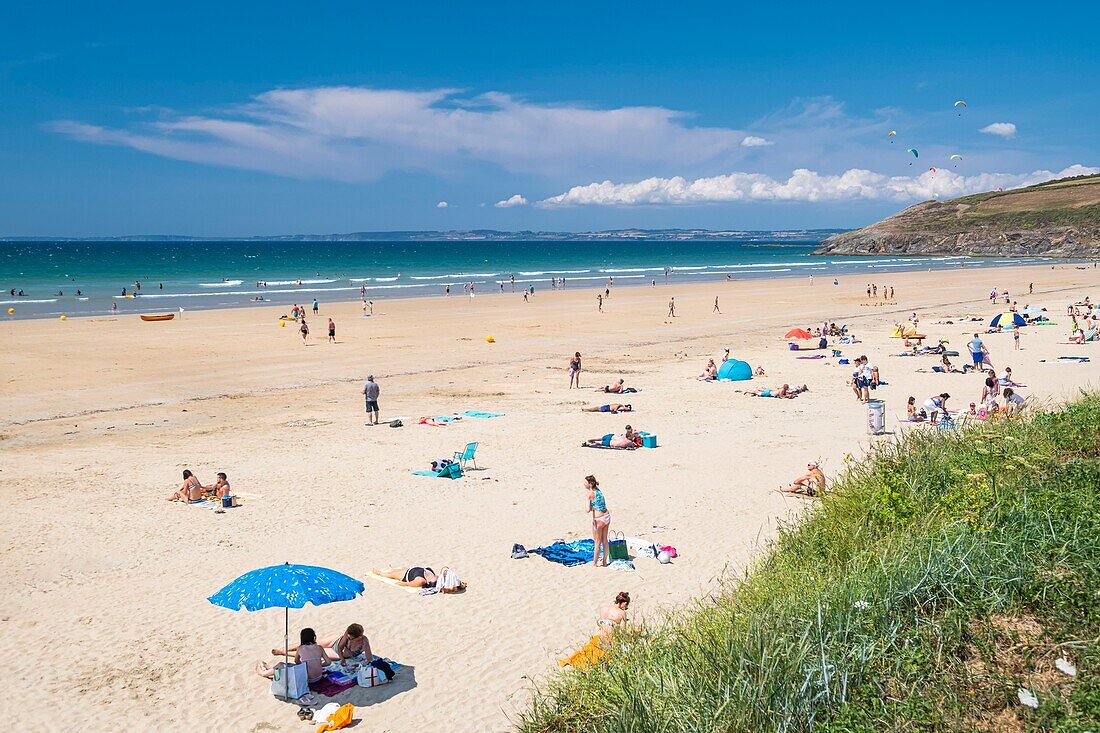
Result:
[{"x": 734, "y": 370}]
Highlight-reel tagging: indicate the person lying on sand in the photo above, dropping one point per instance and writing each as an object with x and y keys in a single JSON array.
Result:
[
  {"x": 710, "y": 373},
  {"x": 614, "y": 409},
  {"x": 616, "y": 388},
  {"x": 785, "y": 391},
  {"x": 308, "y": 651},
  {"x": 414, "y": 577},
  {"x": 629, "y": 439},
  {"x": 353, "y": 643},
  {"x": 189, "y": 491},
  {"x": 613, "y": 615},
  {"x": 810, "y": 483}
]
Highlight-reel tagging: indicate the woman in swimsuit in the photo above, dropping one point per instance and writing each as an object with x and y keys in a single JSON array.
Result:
[
  {"x": 305, "y": 331},
  {"x": 308, "y": 651},
  {"x": 601, "y": 520},
  {"x": 189, "y": 491},
  {"x": 613, "y": 614},
  {"x": 414, "y": 577},
  {"x": 352, "y": 644},
  {"x": 575, "y": 371}
]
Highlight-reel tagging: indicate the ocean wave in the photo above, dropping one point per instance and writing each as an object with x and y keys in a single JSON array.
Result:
[
  {"x": 430, "y": 277},
  {"x": 296, "y": 282},
  {"x": 222, "y": 284},
  {"x": 555, "y": 272},
  {"x": 27, "y": 300},
  {"x": 633, "y": 269}
]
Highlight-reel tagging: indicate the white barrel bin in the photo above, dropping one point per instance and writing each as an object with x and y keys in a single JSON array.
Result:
[{"x": 876, "y": 417}]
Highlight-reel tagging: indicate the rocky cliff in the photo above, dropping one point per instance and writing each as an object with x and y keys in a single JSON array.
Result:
[{"x": 1059, "y": 219}]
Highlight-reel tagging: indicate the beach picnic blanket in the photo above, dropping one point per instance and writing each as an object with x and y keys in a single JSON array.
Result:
[
  {"x": 481, "y": 414},
  {"x": 337, "y": 679},
  {"x": 568, "y": 554}
]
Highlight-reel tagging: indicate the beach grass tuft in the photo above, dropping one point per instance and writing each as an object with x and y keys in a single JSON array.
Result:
[{"x": 937, "y": 578}]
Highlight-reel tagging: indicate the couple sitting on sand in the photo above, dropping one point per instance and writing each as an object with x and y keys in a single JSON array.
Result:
[
  {"x": 351, "y": 646},
  {"x": 616, "y": 388},
  {"x": 192, "y": 489}
]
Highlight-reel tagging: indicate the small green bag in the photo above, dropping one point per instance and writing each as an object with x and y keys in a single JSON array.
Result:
[{"x": 618, "y": 549}]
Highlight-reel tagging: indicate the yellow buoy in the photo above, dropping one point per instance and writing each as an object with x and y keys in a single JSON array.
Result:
[
  {"x": 11, "y": 311},
  {"x": 64, "y": 317},
  {"x": 490, "y": 339}
]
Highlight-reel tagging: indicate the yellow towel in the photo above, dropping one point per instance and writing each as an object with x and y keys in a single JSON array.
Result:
[
  {"x": 589, "y": 654},
  {"x": 340, "y": 719}
]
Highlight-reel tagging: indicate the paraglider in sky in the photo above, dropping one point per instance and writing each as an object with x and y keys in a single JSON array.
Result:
[
  {"x": 914, "y": 152},
  {"x": 932, "y": 169},
  {"x": 960, "y": 103},
  {"x": 956, "y": 156},
  {"x": 891, "y": 134}
]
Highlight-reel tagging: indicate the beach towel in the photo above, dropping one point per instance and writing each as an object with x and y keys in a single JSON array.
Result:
[
  {"x": 815, "y": 356},
  {"x": 451, "y": 470},
  {"x": 337, "y": 679},
  {"x": 568, "y": 554},
  {"x": 589, "y": 654},
  {"x": 608, "y": 447},
  {"x": 340, "y": 718},
  {"x": 479, "y": 413}
]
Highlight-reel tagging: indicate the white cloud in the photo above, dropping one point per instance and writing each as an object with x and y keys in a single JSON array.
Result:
[
  {"x": 803, "y": 185},
  {"x": 513, "y": 200},
  {"x": 752, "y": 141},
  {"x": 359, "y": 133},
  {"x": 442, "y": 205},
  {"x": 1001, "y": 129}
]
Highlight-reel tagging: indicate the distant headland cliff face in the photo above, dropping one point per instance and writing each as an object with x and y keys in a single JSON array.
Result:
[{"x": 1057, "y": 219}]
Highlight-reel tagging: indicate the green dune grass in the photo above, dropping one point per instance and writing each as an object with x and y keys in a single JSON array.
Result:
[{"x": 936, "y": 578}]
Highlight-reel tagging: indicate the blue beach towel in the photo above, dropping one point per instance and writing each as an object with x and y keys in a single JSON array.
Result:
[
  {"x": 568, "y": 554},
  {"x": 479, "y": 413}
]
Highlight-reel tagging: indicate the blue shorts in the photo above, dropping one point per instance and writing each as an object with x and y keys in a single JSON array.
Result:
[
  {"x": 372, "y": 405},
  {"x": 978, "y": 357}
]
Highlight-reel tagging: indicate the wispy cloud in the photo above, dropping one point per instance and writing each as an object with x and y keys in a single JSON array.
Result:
[
  {"x": 442, "y": 205},
  {"x": 752, "y": 141},
  {"x": 1006, "y": 130},
  {"x": 359, "y": 133},
  {"x": 513, "y": 200},
  {"x": 802, "y": 185}
]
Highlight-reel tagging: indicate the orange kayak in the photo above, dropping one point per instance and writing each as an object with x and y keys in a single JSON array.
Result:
[{"x": 159, "y": 317}]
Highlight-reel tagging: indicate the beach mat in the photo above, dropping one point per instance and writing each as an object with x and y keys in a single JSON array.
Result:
[
  {"x": 569, "y": 554},
  {"x": 481, "y": 414},
  {"x": 336, "y": 681}
]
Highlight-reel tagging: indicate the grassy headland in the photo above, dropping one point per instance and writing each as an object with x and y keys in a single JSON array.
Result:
[{"x": 936, "y": 578}]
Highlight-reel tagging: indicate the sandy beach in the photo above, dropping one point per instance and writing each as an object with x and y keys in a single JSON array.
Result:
[{"x": 100, "y": 416}]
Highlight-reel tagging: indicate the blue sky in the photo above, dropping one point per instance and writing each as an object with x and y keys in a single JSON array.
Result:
[{"x": 237, "y": 119}]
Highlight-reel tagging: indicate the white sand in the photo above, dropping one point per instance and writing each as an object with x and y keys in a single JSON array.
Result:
[{"x": 107, "y": 582}]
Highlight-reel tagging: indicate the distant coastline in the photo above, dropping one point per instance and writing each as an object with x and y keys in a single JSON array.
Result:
[{"x": 470, "y": 235}]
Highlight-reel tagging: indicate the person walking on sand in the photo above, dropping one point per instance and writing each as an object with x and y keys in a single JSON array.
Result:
[
  {"x": 575, "y": 371},
  {"x": 315, "y": 306},
  {"x": 304, "y": 330},
  {"x": 672, "y": 307},
  {"x": 601, "y": 521},
  {"x": 716, "y": 309},
  {"x": 371, "y": 390},
  {"x": 599, "y": 302},
  {"x": 331, "y": 331}
]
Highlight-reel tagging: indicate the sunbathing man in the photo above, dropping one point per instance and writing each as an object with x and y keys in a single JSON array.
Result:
[
  {"x": 613, "y": 409},
  {"x": 810, "y": 483},
  {"x": 629, "y": 439},
  {"x": 786, "y": 391},
  {"x": 220, "y": 487},
  {"x": 710, "y": 373},
  {"x": 616, "y": 388}
]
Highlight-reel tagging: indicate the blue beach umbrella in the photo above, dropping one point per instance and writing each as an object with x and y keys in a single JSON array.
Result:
[{"x": 286, "y": 586}]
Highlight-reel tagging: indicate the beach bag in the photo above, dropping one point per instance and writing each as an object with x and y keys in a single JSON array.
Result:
[
  {"x": 371, "y": 676},
  {"x": 396, "y": 424},
  {"x": 290, "y": 682},
  {"x": 670, "y": 550},
  {"x": 617, "y": 549},
  {"x": 449, "y": 582}
]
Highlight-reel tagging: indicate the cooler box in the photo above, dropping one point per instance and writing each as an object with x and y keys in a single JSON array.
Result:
[{"x": 649, "y": 441}]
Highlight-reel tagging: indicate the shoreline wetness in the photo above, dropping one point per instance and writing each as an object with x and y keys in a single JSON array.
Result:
[
  {"x": 103, "y": 414},
  {"x": 206, "y": 275}
]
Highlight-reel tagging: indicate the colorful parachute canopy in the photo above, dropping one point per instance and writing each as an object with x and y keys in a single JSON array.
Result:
[
  {"x": 914, "y": 152},
  {"x": 956, "y": 156},
  {"x": 891, "y": 133},
  {"x": 798, "y": 333},
  {"x": 960, "y": 103},
  {"x": 932, "y": 169}
]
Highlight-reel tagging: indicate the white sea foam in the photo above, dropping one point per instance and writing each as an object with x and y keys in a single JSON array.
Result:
[
  {"x": 222, "y": 284},
  {"x": 555, "y": 272},
  {"x": 295, "y": 282},
  {"x": 27, "y": 300}
]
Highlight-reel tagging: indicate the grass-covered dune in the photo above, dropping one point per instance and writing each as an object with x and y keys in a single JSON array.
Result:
[{"x": 938, "y": 577}]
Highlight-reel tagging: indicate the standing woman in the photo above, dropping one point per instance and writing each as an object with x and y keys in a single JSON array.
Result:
[
  {"x": 601, "y": 521},
  {"x": 575, "y": 371},
  {"x": 304, "y": 331}
]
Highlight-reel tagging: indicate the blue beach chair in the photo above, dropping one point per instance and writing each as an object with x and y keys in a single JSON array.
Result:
[{"x": 467, "y": 455}]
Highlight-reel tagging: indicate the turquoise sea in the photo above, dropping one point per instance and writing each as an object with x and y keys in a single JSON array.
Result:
[{"x": 221, "y": 274}]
